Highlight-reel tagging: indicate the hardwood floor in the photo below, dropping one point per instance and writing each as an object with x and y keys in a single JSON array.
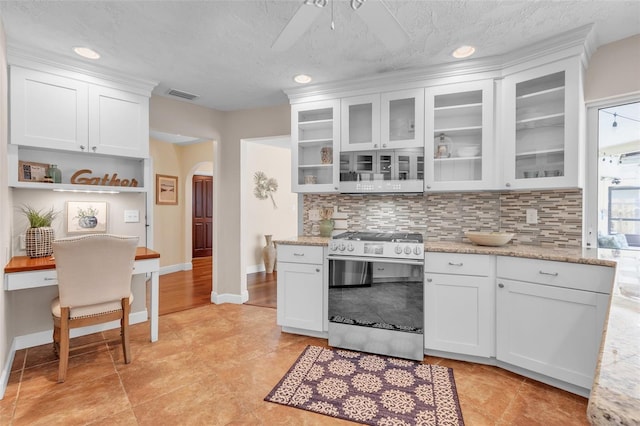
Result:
[{"x": 184, "y": 290}]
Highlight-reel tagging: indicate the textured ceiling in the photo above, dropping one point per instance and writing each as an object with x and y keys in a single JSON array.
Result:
[{"x": 221, "y": 50}]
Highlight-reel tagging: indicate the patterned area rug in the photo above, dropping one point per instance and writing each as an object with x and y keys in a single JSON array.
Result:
[{"x": 370, "y": 389}]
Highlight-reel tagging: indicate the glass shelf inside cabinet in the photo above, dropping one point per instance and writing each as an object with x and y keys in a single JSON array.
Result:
[{"x": 540, "y": 123}]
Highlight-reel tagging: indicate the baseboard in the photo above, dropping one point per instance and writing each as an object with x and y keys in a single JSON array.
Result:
[
  {"x": 44, "y": 337},
  {"x": 6, "y": 370},
  {"x": 219, "y": 299},
  {"x": 179, "y": 267}
]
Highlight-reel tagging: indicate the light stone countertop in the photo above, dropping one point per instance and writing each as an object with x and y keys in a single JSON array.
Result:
[{"x": 615, "y": 394}]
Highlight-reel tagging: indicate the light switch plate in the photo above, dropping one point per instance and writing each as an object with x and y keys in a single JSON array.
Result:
[{"x": 131, "y": 216}]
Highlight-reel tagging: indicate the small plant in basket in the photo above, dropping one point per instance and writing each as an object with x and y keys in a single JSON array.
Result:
[{"x": 39, "y": 235}]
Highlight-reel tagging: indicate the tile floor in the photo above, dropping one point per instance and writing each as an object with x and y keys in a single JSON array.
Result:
[{"x": 213, "y": 365}]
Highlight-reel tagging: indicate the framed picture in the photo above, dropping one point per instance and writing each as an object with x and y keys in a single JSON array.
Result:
[
  {"x": 166, "y": 189},
  {"x": 29, "y": 171},
  {"x": 87, "y": 217}
]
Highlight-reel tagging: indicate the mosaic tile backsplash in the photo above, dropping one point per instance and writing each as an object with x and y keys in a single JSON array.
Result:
[{"x": 447, "y": 216}]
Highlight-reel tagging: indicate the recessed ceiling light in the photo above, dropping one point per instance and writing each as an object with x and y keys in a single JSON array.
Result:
[
  {"x": 463, "y": 52},
  {"x": 86, "y": 52},
  {"x": 302, "y": 78}
]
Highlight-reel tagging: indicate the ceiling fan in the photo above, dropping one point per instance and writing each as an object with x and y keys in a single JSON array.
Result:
[{"x": 373, "y": 12}]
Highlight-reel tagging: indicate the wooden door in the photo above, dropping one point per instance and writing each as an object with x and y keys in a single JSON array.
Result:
[{"x": 202, "y": 213}]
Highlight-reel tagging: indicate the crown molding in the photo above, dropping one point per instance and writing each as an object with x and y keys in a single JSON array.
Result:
[
  {"x": 576, "y": 42},
  {"x": 41, "y": 60}
]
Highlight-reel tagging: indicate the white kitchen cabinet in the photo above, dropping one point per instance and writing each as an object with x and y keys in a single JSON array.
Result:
[
  {"x": 389, "y": 120},
  {"x": 542, "y": 120},
  {"x": 459, "y": 304},
  {"x": 57, "y": 112},
  {"x": 315, "y": 139},
  {"x": 459, "y": 136},
  {"x": 301, "y": 296},
  {"x": 550, "y": 317}
]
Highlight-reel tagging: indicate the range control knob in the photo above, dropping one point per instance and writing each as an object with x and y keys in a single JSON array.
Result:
[
  {"x": 350, "y": 247},
  {"x": 342, "y": 247},
  {"x": 417, "y": 250},
  {"x": 407, "y": 250},
  {"x": 334, "y": 246},
  {"x": 398, "y": 250}
]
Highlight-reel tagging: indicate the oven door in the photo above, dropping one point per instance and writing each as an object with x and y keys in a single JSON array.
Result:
[{"x": 350, "y": 272}]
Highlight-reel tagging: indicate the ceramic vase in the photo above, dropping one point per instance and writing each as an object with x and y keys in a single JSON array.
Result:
[
  {"x": 326, "y": 227},
  {"x": 38, "y": 241},
  {"x": 269, "y": 255}
]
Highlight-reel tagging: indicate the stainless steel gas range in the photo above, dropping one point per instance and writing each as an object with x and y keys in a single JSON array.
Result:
[{"x": 376, "y": 288}]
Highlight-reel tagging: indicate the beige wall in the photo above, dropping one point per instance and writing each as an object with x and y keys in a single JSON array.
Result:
[
  {"x": 5, "y": 202},
  {"x": 225, "y": 129},
  {"x": 614, "y": 70},
  {"x": 261, "y": 217}
]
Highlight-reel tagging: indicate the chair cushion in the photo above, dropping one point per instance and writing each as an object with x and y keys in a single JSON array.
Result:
[{"x": 88, "y": 311}]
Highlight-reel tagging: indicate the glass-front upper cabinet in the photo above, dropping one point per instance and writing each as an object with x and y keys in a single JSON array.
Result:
[
  {"x": 459, "y": 136},
  {"x": 383, "y": 121},
  {"x": 541, "y": 126},
  {"x": 360, "y": 123},
  {"x": 315, "y": 139},
  {"x": 402, "y": 119}
]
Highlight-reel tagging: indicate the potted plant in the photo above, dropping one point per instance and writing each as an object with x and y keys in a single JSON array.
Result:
[
  {"x": 39, "y": 235},
  {"x": 327, "y": 223}
]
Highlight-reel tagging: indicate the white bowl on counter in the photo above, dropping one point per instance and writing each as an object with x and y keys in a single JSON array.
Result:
[{"x": 493, "y": 239}]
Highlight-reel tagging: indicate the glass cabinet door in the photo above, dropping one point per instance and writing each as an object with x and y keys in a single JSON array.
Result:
[
  {"x": 459, "y": 136},
  {"x": 360, "y": 123},
  {"x": 402, "y": 120},
  {"x": 315, "y": 139},
  {"x": 541, "y": 133}
]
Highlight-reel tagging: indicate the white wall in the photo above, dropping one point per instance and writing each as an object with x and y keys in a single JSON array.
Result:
[
  {"x": 5, "y": 202},
  {"x": 261, "y": 217}
]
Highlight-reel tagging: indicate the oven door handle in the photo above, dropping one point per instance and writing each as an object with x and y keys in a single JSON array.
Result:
[{"x": 376, "y": 259}]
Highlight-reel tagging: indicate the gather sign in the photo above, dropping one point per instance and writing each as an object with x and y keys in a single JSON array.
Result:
[{"x": 83, "y": 177}]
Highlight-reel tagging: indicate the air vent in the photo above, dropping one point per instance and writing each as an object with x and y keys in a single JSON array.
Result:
[{"x": 183, "y": 95}]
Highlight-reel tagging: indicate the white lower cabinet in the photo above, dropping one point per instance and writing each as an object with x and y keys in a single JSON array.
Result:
[
  {"x": 459, "y": 303},
  {"x": 545, "y": 322},
  {"x": 301, "y": 295}
]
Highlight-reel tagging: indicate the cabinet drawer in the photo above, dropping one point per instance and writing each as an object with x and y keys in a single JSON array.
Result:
[
  {"x": 459, "y": 264},
  {"x": 561, "y": 274},
  {"x": 31, "y": 279},
  {"x": 299, "y": 254}
]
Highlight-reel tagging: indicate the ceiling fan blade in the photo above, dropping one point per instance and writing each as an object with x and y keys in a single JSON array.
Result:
[
  {"x": 297, "y": 25},
  {"x": 382, "y": 23}
]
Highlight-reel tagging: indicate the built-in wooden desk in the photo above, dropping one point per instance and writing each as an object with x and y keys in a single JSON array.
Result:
[{"x": 24, "y": 272}]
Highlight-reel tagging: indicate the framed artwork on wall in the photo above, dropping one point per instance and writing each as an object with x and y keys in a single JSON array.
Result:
[
  {"x": 166, "y": 189},
  {"x": 87, "y": 217}
]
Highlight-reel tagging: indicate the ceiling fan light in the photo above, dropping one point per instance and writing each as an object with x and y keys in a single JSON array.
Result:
[
  {"x": 302, "y": 78},
  {"x": 86, "y": 52},
  {"x": 463, "y": 52}
]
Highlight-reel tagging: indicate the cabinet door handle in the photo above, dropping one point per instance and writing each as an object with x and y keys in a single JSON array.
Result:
[
  {"x": 317, "y": 269},
  {"x": 298, "y": 254},
  {"x": 50, "y": 279},
  {"x": 93, "y": 148},
  {"x": 455, "y": 264},
  {"x": 375, "y": 145},
  {"x": 82, "y": 147},
  {"x": 507, "y": 184},
  {"x": 384, "y": 145},
  {"x": 428, "y": 186},
  {"x": 501, "y": 285},
  {"x": 429, "y": 280},
  {"x": 380, "y": 269},
  {"x": 553, "y": 274}
]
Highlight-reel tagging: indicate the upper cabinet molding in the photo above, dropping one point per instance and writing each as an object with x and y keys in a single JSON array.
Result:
[
  {"x": 42, "y": 61},
  {"x": 578, "y": 41}
]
